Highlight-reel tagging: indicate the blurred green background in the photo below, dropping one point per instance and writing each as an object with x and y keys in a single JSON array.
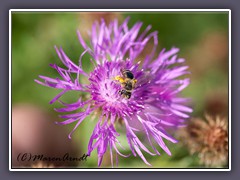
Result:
[{"x": 202, "y": 38}]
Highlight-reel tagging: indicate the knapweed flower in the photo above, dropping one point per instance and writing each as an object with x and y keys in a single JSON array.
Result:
[
  {"x": 141, "y": 95},
  {"x": 209, "y": 139}
]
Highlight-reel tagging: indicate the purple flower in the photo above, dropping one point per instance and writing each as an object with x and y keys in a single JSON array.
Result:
[{"x": 154, "y": 104}]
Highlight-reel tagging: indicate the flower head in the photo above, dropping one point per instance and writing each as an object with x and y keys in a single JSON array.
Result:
[
  {"x": 140, "y": 94},
  {"x": 209, "y": 139}
]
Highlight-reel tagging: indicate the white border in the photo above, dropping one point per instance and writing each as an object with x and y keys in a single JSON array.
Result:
[{"x": 116, "y": 10}]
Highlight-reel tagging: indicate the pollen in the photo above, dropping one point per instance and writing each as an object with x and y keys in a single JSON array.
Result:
[{"x": 120, "y": 79}]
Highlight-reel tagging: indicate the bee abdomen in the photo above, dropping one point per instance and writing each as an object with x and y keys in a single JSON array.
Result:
[{"x": 128, "y": 74}]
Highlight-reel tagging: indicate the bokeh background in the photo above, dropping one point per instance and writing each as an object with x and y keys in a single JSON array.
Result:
[{"x": 203, "y": 41}]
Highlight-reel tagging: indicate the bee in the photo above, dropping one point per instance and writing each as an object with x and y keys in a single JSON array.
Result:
[
  {"x": 125, "y": 93},
  {"x": 128, "y": 82}
]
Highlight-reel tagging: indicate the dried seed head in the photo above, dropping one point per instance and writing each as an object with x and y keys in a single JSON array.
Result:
[{"x": 209, "y": 139}]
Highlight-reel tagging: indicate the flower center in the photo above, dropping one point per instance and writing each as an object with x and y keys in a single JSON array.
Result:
[
  {"x": 113, "y": 84},
  {"x": 216, "y": 138}
]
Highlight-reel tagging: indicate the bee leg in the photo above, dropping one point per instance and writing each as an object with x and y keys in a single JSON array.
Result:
[{"x": 119, "y": 79}]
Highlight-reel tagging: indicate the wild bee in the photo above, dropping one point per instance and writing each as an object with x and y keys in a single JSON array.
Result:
[
  {"x": 127, "y": 81},
  {"x": 125, "y": 93}
]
